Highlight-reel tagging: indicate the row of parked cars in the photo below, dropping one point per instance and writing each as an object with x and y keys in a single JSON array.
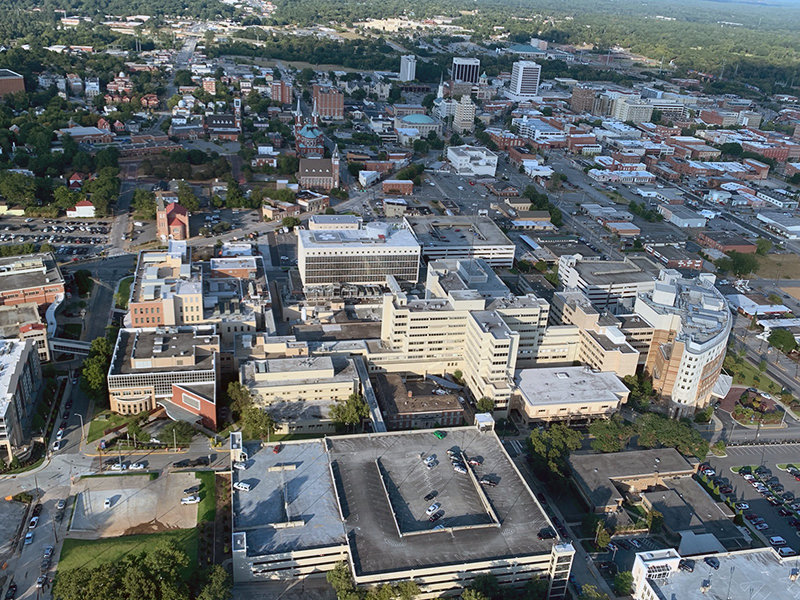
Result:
[{"x": 773, "y": 491}]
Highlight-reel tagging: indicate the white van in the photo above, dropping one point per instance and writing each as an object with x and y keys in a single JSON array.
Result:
[
  {"x": 242, "y": 486},
  {"x": 777, "y": 540},
  {"x": 786, "y": 551}
]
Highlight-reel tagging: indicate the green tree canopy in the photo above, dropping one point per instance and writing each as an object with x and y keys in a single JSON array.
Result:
[
  {"x": 485, "y": 405},
  {"x": 551, "y": 447},
  {"x": 623, "y": 582},
  {"x": 782, "y": 339},
  {"x": 351, "y": 412}
]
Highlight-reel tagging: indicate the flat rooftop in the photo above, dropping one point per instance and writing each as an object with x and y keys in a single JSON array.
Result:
[
  {"x": 396, "y": 396},
  {"x": 609, "y": 272},
  {"x": 363, "y": 463},
  {"x": 595, "y": 472},
  {"x": 25, "y": 272},
  {"x": 136, "y": 348},
  {"x": 568, "y": 385},
  {"x": 12, "y": 317},
  {"x": 374, "y": 235},
  {"x": 457, "y": 231},
  {"x": 752, "y": 575},
  {"x": 293, "y": 485}
]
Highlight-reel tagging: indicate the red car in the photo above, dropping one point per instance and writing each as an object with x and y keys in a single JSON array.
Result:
[{"x": 276, "y": 448}]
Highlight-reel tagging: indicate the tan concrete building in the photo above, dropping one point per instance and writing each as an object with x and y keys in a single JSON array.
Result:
[
  {"x": 23, "y": 321},
  {"x": 299, "y": 392},
  {"x": 691, "y": 323},
  {"x": 174, "y": 367}
]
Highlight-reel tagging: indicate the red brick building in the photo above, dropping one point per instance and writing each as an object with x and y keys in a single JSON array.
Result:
[
  {"x": 10, "y": 82},
  {"x": 328, "y": 103},
  {"x": 282, "y": 92},
  {"x": 172, "y": 220},
  {"x": 725, "y": 241},
  {"x": 398, "y": 186}
]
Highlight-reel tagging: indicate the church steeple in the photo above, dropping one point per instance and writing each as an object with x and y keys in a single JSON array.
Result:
[{"x": 315, "y": 114}]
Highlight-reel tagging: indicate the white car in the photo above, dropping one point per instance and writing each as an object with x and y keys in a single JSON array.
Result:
[
  {"x": 190, "y": 500},
  {"x": 137, "y": 466},
  {"x": 29, "y": 538},
  {"x": 59, "y": 434},
  {"x": 107, "y": 503},
  {"x": 242, "y": 486},
  {"x": 433, "y": 508},
  {"x": 240, "y": 466},
  {"x": 119, "y": 466},
  {"x": 56, "y": 445},
  {"x": 741, "y": 506}
]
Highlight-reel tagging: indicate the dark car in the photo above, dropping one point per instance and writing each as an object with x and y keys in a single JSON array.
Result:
[
  {"x": 546, "y": 534},
  {"x": 487, "y": 481},
  {"x": 37, "y": 510},
  {"x": 436, "y": 516},
  {"x": 12, "y": 591},
  {"x": 751, "y": 516},
  {"x": 200, "y": 462},
  {"x": 725, "y": 489},
  {"x": 712, "y": 562},
  {"x": 182, "y": 464},
  {"x": 624, "y": 544},
  {"x": 430, "y": 496},
  {"x": 794, "y": 522},
  {"x": 785, "y": 512},
  {"x": 686, "y": 564}
]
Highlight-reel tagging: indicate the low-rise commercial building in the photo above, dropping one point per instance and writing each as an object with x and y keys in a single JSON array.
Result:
[
  {"x": 22, "y": 321},
  {"x": 572, "y": 394},
  {"x": 173, "y": 367},
  {"x": 472, "y": 161},
  {"x": 414, "y": 403},
  {"x": 299, "y": 392}
]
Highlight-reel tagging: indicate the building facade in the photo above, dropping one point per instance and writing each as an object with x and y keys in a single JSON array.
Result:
[{"x": 20, "y": 382}]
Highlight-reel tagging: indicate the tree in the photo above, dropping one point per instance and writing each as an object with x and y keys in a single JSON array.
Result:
[
  {"x": 83, "y": 281},
  {"x": 218, "y": 586},
  {"x": 485, "y": 405},
  {"x": 487, "y": 585},
  {"x": 179, "y": 432},
  {"x": 470, "y": 594},
  {"x": 659, "y": 431},
  {"x": 731, "y": 149},
  {"x": 603, "y": 538},
  {"x": 590, "y": 592},
  {"x": 763, "y": 246},
  {"x": 341, "y": 580},
  {"x": 739, "y": 264},
  {"x": 144, "y": 204},
  {"x": 257, "y": 423},
  {"x": 782, "y": 339},
  {"x": 290, "y": 222},
  {"x": 609, "y": 435},
  {"x": 550, "y": 448},
  {"x": 350, "y": 412},
  {"x": 239, "y": 397},
  {"x": 623, "y": 582},
  {"x": 186, "y": 197}
]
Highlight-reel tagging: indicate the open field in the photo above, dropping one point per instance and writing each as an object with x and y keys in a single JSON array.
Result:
[
  {"x": 91, "y": 553},
  {"x": 779, "y": 266}
]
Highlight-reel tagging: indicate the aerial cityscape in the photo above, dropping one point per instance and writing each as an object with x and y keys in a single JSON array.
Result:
[{"x": 339, "y": 300}]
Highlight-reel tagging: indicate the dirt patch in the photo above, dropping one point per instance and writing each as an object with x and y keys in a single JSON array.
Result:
[{"x": 779, "y": 266}]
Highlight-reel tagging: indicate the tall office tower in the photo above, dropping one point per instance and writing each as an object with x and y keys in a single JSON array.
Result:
[
  {"x": 467, "y": 70},
  {"x": 524, "y": 80},
  {"x": 408, "y": 68},
  {"x": 582, "y": 100}
]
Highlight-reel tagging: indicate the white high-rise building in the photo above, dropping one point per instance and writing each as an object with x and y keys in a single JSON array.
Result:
[
  {"x": 408, "y": 68},
  {"x": 524, "y": 80}
]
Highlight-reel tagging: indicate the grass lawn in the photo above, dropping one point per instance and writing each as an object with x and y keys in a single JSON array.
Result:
[
  {"x": 91, "y": 553},
  {"x": 98, "y": 425},
  {"x": 72, "y": 331},
  {"x": 121, "y": 298},
  {"x": 207, "y": 509},
  {"x": 746, "y": 373}
]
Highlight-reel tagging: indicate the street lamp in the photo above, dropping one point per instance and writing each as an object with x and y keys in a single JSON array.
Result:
[{"x": 80, "y": 416}]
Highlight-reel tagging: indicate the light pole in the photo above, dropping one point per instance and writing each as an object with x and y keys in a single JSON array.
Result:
[{"x": 80, "y": 416}]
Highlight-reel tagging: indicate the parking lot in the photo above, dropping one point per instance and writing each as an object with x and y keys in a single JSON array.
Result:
[
  {"x": 72, "y": 237},
  {"x": 779, "y": 492},
  {"x": 132, "y": 504}
]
